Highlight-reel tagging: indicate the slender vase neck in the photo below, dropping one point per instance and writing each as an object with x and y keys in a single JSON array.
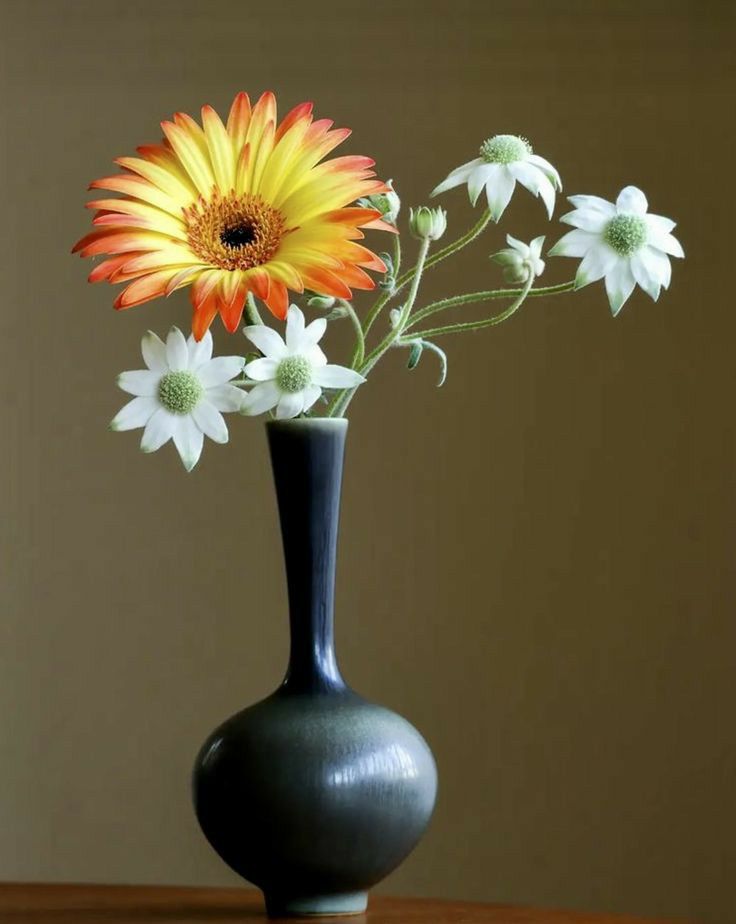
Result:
[{"x": 307, "y": 459}]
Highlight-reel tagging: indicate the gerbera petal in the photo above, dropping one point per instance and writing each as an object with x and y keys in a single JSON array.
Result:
[
  {"x": 290, "y": 405},
  {"x": 331, "y": 376},
  {"x": 632, "y": 199},
  {"x": 134, "y": 414},
  {"x": 220, "y": 148},
  {"x": 266, "y": 340},
  {"x": 620, "y": 284},
  {"x": 262, "y": 398},
  {"x": 210, "y": 421},
  {"x": 139, "y": 382},
  {"x": 261, "y": 370},
  {"x": 220, "y": 370},
  {"x": 225, "y": 397},
  {"x": 188, "y": 439},
  {"x": 159, "y": 430},
  {"x": 154, "y": 352},
  {"x": 177, "y": 354}
]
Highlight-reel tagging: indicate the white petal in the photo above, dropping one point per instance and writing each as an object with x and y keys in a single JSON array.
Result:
[
  {"x": 535, "y": 248},
  {"x": 261, "y": 398},
  {"x": 620, "y": 284},
  {"x": 311, "y": 394},
  {"x": 586, "y": 220},
  {"x": 290, "y": 405},
  {"x": 199, "y": 351},
  {"x": 135, "y": 413},
  {"x": 177, "y": 354},
  {"x": 140, "y": 382},
  {"x": 225, "y": 397},
  {"x": 574, "y": 244},
  {"x": 315, "y": 355},
  {"x": 546, "y": 167},
  {"x": 646, "y": 279},
  {"x": 154, "y": 352},
  {"x": 314, "y": 332},
  {"x": 499, "y": 190},
  {"x": 519, "y": 246},
  {"x": 659, "y": 223},
  {"x": 595, "y": 203},
  {"x": 294, "y": 328},
  {"x": 266, "y": 340},
  {"x": 478, "y": 179},
  {"x": 188, "y": 439},
  {"x": 632, "y": 199},
  {"x": 261, "y": 370},
  {"x": 220, "y": 370},
  {"x": 665, "y": 242},
  {"x": 159, "y": 430},
  {"x": 596, "y": 263},
  {"x": 210, "y": 421},
  {"x": 457, "y": 176},
  {"x": 331, "y": 376},
  {"x": 536, "y": 182},
  {"x": 658, "y": 264}
]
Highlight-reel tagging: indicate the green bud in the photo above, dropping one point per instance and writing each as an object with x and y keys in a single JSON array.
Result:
[
  {"x": 321, "y": 301},
  {"x": 427, "y": 224},
  {"x": 388, "y": 203}
]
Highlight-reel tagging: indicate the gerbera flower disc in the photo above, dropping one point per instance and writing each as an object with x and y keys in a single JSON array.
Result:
[{"x": 228, "y": 209}]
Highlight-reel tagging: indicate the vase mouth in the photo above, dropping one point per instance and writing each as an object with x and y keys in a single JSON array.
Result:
[{"x": 309, "y": 423}]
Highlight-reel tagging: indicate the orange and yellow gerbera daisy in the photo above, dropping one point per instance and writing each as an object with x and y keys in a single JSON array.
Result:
[{"x": 237, "y": 208}]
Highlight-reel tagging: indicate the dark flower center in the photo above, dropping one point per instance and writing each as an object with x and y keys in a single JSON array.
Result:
[{"x": 237, "y": 236}]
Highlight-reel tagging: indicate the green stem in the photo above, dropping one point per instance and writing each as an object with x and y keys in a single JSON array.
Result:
[
  {"x": 436, "y": 258},
  {"x": 477, "y": 325},
  {"x": 359, "y": 354},
  {"x": 471, "y": 297},
  {"x": 343, "y": 399},
  {"x": 251, "y": 311}
]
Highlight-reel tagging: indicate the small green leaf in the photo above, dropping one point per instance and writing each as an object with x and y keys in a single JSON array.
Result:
[{"x": 415, "y": 354}]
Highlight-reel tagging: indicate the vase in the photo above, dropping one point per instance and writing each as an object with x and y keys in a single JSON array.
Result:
[{"x": 313, "y": 794}]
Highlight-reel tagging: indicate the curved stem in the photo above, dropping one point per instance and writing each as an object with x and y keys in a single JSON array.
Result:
[
  {"x": 343, "y": 399},
  {"x": 471, "y": 297},
  {"x": 436, "y": 258},
  {"x": 251, "y": 311},
  {"x": 359, "y": 354},
  {"x": 478, "y": 325}
]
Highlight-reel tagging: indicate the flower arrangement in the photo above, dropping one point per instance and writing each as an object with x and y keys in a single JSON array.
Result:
[{"x": 247, "y": 211}]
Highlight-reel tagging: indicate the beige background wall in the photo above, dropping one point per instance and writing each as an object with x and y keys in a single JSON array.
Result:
[{"x": 536, "y": 562}]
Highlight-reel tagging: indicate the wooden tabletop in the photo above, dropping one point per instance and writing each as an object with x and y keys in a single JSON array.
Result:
[{"x": 29, "y": 903}]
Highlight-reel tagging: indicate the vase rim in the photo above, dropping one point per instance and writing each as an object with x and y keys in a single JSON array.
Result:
[{"x": 309, "y": 423}]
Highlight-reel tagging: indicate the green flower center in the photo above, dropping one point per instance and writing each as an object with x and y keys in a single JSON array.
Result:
[
  {"x": 626, "y": 234},
  {"x": 179, "y": 392},
  {"x": 505, "y": 149},
  {"x": 293, "y": 373}
]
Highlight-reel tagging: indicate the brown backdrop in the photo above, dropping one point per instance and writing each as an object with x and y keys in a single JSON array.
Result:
[{"x": 536, "y": 561}]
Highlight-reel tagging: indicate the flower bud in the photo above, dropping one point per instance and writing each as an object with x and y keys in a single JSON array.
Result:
[
  {"x": 387, "y": 203},
  {"x": 427, "y": 224},
  {"x": 520, "y": 260},
  {"x": 321, "y": 301}
]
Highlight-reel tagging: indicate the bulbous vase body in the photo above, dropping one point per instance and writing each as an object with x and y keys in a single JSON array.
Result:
[{"x": 313, "y": 794}]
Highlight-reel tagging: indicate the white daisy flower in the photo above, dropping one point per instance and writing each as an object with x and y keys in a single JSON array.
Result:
[
  {"x": 620, "y": 242},
  {"x": 180, "y": 395},
  {"x": 520, "y": 259},
  {"x": 292, "y": 374},
  {"x": 503, "y": 160}
]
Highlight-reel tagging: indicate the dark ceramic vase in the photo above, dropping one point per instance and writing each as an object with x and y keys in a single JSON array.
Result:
[{"x": 313, "y": 794}]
